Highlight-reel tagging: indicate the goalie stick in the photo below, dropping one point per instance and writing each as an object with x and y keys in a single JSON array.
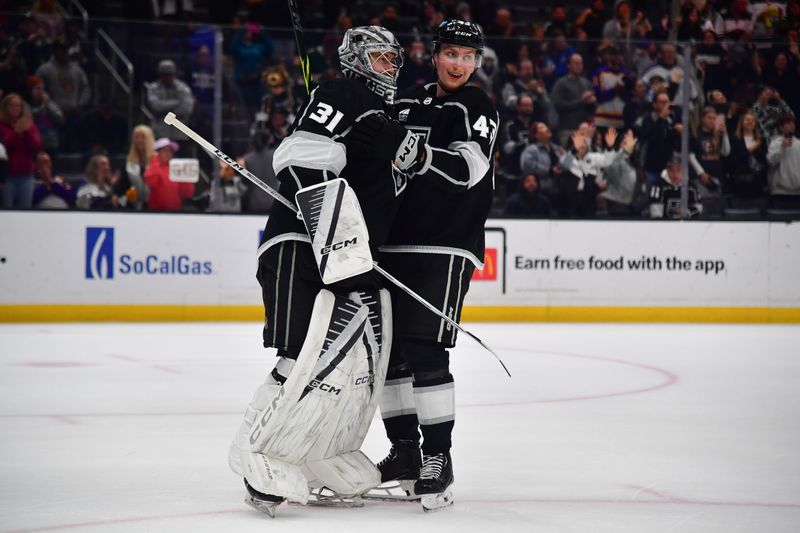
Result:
[{"x": 172, "y": 120}]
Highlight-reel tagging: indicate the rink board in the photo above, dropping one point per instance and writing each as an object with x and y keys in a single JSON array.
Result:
[{"x": 79, "y": 266}]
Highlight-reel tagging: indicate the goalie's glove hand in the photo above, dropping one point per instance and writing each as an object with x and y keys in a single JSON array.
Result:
[{"x": 385, "y": 138}]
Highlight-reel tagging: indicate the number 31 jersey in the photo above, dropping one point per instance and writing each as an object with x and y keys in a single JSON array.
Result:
[
  {"x": 448, "y": 200},
  {"x": 317, "y": 150}
]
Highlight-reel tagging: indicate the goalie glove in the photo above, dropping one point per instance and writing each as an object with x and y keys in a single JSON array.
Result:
[{"x": 385, "y": 138}]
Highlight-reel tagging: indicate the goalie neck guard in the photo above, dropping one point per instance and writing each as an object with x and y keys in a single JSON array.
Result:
[{"x": 365, "y": 46}]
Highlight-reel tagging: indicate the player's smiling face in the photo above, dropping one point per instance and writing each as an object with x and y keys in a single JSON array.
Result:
[{"x": 454, "y": 65}]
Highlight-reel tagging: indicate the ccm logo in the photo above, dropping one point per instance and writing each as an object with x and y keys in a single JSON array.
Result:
[
  {"x": 324, "y": 387},
  {"x": 364, "y": 379},
  {"x": 339, "y": 245},
  {"x": 259, "y": 425}
]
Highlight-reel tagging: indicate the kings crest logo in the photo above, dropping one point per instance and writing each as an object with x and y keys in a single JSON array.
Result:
[{"x": 99, "y": 253}]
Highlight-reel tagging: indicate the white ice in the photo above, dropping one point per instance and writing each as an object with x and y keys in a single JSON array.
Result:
[{"x": 603, "y": 428}]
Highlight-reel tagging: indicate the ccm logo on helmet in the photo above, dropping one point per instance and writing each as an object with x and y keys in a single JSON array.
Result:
[{"x": 339, "y": 245}]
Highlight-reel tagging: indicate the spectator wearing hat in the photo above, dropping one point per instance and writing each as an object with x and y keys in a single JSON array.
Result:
[
  {"x": 46, "y": 114},
  {"x": 165, "y": 195},
  {"x": 169, "y": 94},
  {"x": 783, "y": 158},
  {"x": 65, "y": 82}
]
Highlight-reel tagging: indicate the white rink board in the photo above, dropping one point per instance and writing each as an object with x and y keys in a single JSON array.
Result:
[{"x": 70, "y": 258}]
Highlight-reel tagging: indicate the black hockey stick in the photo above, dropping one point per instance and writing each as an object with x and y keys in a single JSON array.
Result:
[
  {"x": 301, "y": 44},
  {"x": 172, "y": 120}
]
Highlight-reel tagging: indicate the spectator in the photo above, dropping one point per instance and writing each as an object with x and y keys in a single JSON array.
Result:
[
  {"x": 528, "y": 203},
  {"x": 33, "y": 42},
  {"x": 709, "y": 60},
  {"x": 168, "y": 94},
  {"x": 227, "y": 190},
  {"x": 66, "y": 82},
  {"x": 526, "y": 84},
  {"x": 636, "y": 106},
  {"x": 784, "y": 76},
  {"x": 46, "y": 114},
  {"x": 139, "y": 155},
  {"x": 592, "y": 20},
  {"x": 22, "y": 142},
  {"x": 259, "y": 163},
  {"x": 250, "y": 48},
  {"x": 708, "y": 149},
  {"x": 559, "y": 57},
  {"x": 51, "y": 192},
  {"x": 690, "y": 27},
  {"x": 767, "y": 18},
  {"x": 390, "y": 21},
  {"x": 748, "y": 159},
  {"x": 620, "y": 29},
  {"x": 416, "y": 69},
  {"x": 558, "y": 22},
  {"x": 660, "y": 137},
  {"x": 515, "y": 136},
  {"x": 668, "y": 70},
  {"x": 165, "y": 195},
  {"x": 543, "y": 159},
  {"x": 620, "y": 179},
  {"x": 609, "y": 81},
  {"x": 12, "y": 64},
  {"x": 768, "y": 107},
  {"x": 582, "y": 178},
  {"x": 573, "y": 98},
  {"x": 665, "y": 195},
  {"x": 46, "y": 13},
  {"x": 783, "y": 157},
  {"x": 503, "y": 27},
  {"x": 737, "y": 24},
  {"x": 97, "y": 192},
  {"x": 202, "y": 83},
  {"x": 792, "y": 20}
]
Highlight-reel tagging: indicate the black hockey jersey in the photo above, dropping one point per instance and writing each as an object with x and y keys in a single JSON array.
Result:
[
  {"x": 316, "y": 150},
  {"x": 448, "y": 200},
  {"x": 665, "y": 199}
]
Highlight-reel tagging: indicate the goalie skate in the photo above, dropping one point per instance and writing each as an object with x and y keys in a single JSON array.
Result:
[
  {"x": 262, "y": 502},
  {"x": 325, "y": 497},
  {"x": 399, "y": 471},
  {"x": 400, "y": 490}
]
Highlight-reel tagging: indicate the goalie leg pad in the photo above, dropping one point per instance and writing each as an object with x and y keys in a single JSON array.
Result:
[
  {"x": 335, "y": 461},
  {"x": 308, "y": 402}
]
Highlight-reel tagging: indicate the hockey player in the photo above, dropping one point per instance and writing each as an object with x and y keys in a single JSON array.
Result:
[
  {"x": 435, "y": 244},
  {"x": 286, "y": 442}
]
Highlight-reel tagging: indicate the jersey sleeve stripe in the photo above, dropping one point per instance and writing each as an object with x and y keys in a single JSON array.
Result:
[
  {"x": 476, "y": 160},
  {"x": 310, "y": 150}
]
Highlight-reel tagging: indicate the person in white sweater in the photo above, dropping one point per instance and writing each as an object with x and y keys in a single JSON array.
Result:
[{"x": 783, "y": 158}]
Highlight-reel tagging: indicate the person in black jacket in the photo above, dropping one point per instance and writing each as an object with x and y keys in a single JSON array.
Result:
[
  {"x": 748, "y": 159},
  {"x": 528, "y": 203},
  {"x": 659, "y": 134}
]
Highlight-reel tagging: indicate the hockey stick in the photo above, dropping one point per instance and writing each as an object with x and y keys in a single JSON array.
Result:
[
  {"x": 172, "y": 120},
  {"x": 305, "y": 66}
]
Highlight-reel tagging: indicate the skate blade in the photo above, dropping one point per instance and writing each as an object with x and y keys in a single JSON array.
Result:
[
  {"x": 325, "y": 497},
  {"x": 268, "y": 508},
  {"x": 401, "y": 490},
  {"x": 437, "y": 502}
]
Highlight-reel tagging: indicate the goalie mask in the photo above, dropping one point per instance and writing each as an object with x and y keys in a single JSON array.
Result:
[{"x": 373, "y": 55}]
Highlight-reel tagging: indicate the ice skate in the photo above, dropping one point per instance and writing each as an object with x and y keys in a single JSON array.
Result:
[
  {"x": 435, "y": 482},
  {"x": 266, "y": 503},
  {"x": 399, "y": 471}
]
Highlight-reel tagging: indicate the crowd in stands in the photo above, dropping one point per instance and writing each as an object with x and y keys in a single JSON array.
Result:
[{"x": 591, "y": 102}]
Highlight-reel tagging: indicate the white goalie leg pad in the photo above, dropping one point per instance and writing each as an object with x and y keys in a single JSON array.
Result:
[
  {"x": 336, "y": 462},
  {"x": 262, "y": 396},
  {"x": 308, "y": 402},
  {"x": 335, "y": 223}
]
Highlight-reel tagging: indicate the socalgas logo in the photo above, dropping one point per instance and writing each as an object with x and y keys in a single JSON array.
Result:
[{"x": 103, "y": 263}]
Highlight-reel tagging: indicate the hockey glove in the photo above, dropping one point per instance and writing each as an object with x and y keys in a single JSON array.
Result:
[{"x": 385, "y": 138}]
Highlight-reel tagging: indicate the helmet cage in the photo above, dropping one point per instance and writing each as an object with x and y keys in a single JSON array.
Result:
[{"x": 359, "y": 52}]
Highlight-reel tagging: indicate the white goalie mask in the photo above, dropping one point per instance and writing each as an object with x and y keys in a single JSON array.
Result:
[{"x": 373, "y": 55}]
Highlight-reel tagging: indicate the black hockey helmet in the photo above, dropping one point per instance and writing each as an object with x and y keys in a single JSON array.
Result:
[{"x": 459, "y": 33}]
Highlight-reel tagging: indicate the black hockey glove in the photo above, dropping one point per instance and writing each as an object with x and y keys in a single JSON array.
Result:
[{"x": 385, "y": 138}]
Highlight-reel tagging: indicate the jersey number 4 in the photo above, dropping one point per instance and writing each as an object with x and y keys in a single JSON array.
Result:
[
  {"x": 323, "y": 113},
  {"x": 486, "y": 130}
]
